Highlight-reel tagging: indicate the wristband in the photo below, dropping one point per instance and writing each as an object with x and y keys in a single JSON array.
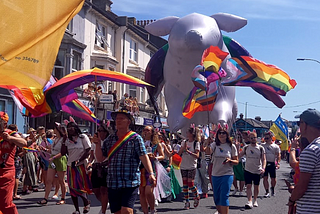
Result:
[{"x": 152, "y": 173}]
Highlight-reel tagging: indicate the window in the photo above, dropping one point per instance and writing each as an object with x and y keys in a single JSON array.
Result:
[
  {"x": 132, "y": 90},
  {"x": 58, "y": 70},
  {"x": 133, "y": 50},
  {"x": 76, "y": 61},
  {"x": 7, "y": 106},
  {"x": 101, "y": 36},
  {"x": 70, "y": 26},
  {"x": 142, "y": 91}
]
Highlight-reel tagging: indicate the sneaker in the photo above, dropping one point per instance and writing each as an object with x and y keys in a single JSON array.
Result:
[
  {"x": 273, "y": 194},
  {"x": 255, "y": 204},
  {"x": 55, "y": 197},
  {"x": 153, "y": 212},
  {"x": 187, "y": 205},
  {"x": 196, "y": 202},
  {"x": 241, "y": 193},
  {"x": 248, "y": 205},
  {"x": 234, "y": 192},
  {"x": 204, "y": 195},
  {"x": 267, "y": 195},
  {"x": 156, "y": 203}
]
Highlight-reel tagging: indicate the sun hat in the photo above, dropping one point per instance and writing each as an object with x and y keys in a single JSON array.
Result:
[{"x": 123, "y": 111}]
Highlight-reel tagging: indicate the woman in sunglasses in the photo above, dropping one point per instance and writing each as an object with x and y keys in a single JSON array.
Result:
[{"x": 224, "y": 157}]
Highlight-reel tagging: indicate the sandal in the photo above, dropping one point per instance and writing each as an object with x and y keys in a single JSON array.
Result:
[
  {"x": 196, "y": 202},
  {"x": 86, "y": 209},
  {"x": 43, "y": 202},
  {"x": 61, "y": 202},
  {"x": 17, "y": 197},
  {"x": 26, "y": 192}
]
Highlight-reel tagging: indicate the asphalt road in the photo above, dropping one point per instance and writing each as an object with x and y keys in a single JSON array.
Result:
[{"x": 273, "y": 205}]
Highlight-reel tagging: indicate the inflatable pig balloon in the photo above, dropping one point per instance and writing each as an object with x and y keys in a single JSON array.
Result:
[{"x": 172, "y": 65}]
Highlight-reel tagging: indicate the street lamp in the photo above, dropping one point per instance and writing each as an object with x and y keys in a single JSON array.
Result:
[{"x": 303, "y": 59}]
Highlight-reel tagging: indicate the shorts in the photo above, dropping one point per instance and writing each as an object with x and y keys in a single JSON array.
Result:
[
  {"x": 249, "y": 177},
  {"x": 239, "y": 171},
  {"x": 123, "y": 197},
  {"x": 188, "y": 173},
  {"x": 98, "y": 179},
  {"x": 221, "y": 189},
  {"x": 60, "y": 164},
  {"x": 270, "y": 169}
]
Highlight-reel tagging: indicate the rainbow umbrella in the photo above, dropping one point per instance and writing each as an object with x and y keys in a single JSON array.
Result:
[{"x": 82, "y": 77}]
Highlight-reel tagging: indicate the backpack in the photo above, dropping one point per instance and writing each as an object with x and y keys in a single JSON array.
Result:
[{"x": 199, "y": 158}]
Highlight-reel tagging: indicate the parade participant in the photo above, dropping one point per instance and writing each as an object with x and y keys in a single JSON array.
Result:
[
  {"x": 273, "y": 158},
  {"x": 155, "y": 152},
  {"x": 239, "y": 168},
  {"x": 202, "y": 176},
  {"x": 9, "y": 140},
  {"x": 225, "y": 155},
  {"x": 255, "y": 166},
  {"x": 189, "y": 151},
  {"x": 125, "y": 151},
  {"x": 306, "y": 192},
  {"x": 77, "y": 147},
  {"x": 57, "y": 165},
  {"x": 99, "y": 170}
]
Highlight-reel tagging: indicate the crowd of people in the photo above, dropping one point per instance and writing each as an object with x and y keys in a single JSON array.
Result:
[{"x": 119, "y": 165}]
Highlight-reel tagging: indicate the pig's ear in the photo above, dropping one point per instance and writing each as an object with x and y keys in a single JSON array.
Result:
[
  {"x": 162, "y": 27},
  {"x": 228, "y": 22}
]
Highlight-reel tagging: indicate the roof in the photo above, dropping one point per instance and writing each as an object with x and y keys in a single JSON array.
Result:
[{"x": 254, "y": 123}]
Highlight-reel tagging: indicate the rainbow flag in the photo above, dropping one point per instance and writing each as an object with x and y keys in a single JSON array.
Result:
[
  {"x": 268, "y": 80},
  {"x": 78, "y": 109},
  {"x": 205, "y": 78},
  {"x": 176, "y": 161}
]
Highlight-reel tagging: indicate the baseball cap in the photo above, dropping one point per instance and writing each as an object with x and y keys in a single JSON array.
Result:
[{"x": 310, "y": 117}]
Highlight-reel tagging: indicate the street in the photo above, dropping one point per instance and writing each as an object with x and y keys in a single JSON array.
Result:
[{"x": 273, "y": 205}]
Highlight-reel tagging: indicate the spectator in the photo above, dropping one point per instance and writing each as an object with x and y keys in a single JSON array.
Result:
[
  {"x": 239, "y": 168},
  {"x": 122, "y": 101},
  {"x": 115, "y": 100},
  {"x": 305, "y": 193},
  {"x": 135, "y": 106}
]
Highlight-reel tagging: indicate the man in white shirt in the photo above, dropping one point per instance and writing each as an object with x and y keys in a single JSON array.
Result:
[
  {"x": 255, "y": 166},
  {"x": 273, "y": 157}
]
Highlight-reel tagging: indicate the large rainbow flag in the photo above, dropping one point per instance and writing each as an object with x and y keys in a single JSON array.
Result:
[{"x": 268, "y": 80}]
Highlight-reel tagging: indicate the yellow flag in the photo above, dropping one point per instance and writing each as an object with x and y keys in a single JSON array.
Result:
[{"x": 31, "y": 33}]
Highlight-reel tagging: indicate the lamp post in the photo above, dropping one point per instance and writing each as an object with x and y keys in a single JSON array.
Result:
[{"x": 303, "y": 59}]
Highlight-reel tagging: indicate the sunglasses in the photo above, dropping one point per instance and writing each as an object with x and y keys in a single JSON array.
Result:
[
  {"x": 267, "y": 138},
  {"x": 101, "y": 130},
  {"x": 222, "y": 132},
  {"x": 252, "y": 138},
  {"x": 299, "y": 122}
]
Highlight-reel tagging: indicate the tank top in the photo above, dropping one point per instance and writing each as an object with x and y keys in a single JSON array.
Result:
[{"x": 7, "y": 153}]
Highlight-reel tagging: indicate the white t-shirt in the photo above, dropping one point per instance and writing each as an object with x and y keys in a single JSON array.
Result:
[
  {"x": 253, "y": 158},
  {"x": 272, "y": 150},
  {"x": 93, "y": 148},
  {"x": 176, "y": 148},
  {"x": 76, "y": 150},
  {"x": 188, "y": 161},
  {"x": 56, "y": 146},
  {"x": 220, "y": 153}
]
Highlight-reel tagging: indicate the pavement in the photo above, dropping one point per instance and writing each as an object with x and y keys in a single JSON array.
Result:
[{"x": 272, "y": 205}]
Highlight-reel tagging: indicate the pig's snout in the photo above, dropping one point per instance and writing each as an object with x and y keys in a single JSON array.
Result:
[{"x": 193, "y": 39}]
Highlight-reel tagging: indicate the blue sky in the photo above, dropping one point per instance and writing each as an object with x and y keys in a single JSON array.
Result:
[{"x": 278, "y": 32}]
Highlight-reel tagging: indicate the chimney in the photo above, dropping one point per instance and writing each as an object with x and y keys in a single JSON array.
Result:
[
  {"x": 258, "y": 118},
  {"x": 241, "y": 116},
  {"x": 132, "y": 20}
]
